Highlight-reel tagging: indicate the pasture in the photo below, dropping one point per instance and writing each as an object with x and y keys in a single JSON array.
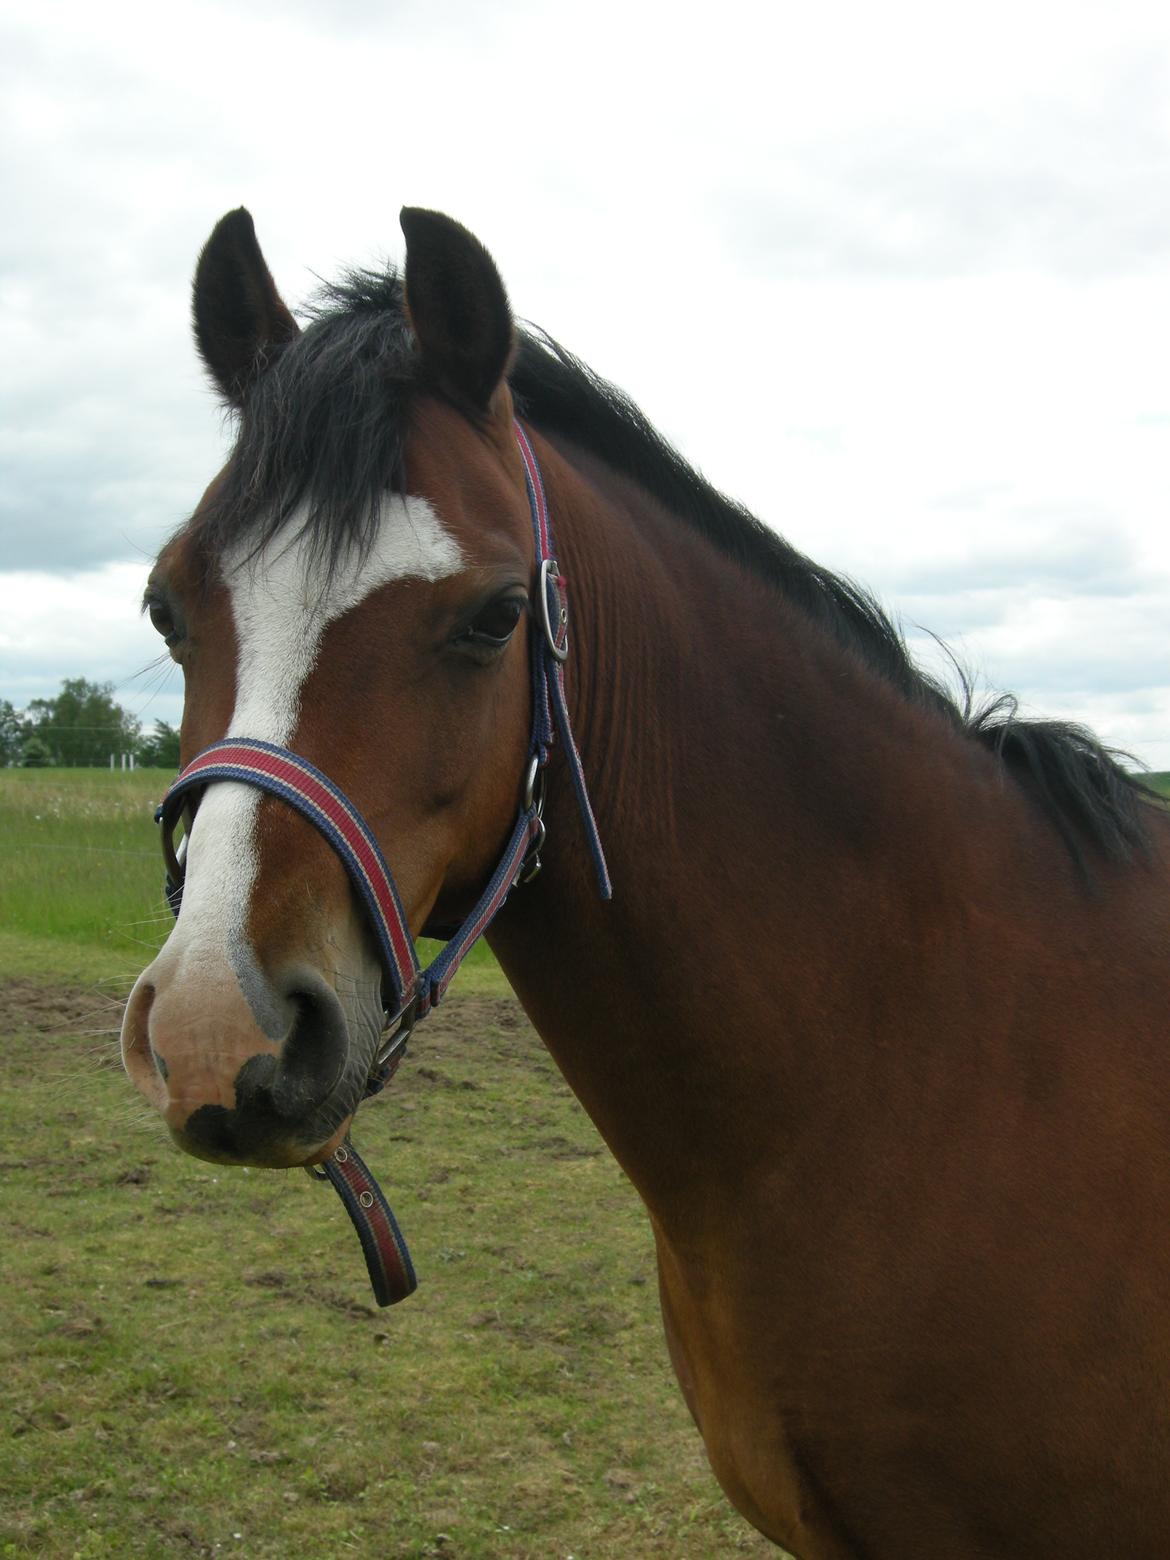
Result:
[{"x": 192, "y": 1363}]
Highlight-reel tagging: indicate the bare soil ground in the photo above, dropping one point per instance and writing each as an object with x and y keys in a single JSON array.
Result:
[{"x": 28, "y": 1005}]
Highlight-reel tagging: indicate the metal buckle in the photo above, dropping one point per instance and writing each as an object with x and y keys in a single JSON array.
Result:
[
  {"x": 534, "y": 786},
  {"x": 560, "y": 651},
  {"x": 532, "y": 863},
  {"x": 533, "y": 798},
  {"x": 175, "y": 855},
  {"x": 396, "y": 1031},
  {"x": 394, "y": 1039}
]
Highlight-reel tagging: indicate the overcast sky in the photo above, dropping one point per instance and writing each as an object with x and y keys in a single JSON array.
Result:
[{"x": 897, "y": 276}]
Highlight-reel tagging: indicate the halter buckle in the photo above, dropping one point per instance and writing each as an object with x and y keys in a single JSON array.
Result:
[
  {"x": 394, "y": 1038},
  {"x": 534, "y": 786},
  {"x": 175, "y": 855},
  {"x": 532, "y": 863},
  {"x": 533, "y": 801},
  {"x": 558, "y": 648},
  {"x": 396, "y": 1031}
]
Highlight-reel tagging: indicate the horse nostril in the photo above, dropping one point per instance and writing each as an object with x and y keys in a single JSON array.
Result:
[
  {"x": 315, "y": 1050},
  {"x": 139, "y": 1057}
]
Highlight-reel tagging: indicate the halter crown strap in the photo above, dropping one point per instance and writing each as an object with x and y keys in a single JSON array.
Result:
[{"x": 549, "y": 659}]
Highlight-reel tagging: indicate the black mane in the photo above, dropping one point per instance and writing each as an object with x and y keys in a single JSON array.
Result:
[{"x": 324, "y": 424}]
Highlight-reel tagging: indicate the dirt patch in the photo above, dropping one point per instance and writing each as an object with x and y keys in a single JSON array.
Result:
[
  {"x": 463, "y": 1033},
  {"x": 28, "y": 1006},
  {"x": 468, "y": 1019}
]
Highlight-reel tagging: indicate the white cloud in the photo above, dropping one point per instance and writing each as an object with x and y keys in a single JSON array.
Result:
[
  {"x": 895, "y": 276},
  {"x": 54, "y": 626}
]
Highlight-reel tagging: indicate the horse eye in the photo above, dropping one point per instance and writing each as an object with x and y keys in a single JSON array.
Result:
[
  {"x": 162, "y": 619},
  {"x": 494, "y": 626}
]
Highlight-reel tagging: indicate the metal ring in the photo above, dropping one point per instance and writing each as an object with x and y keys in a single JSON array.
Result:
[
  {"x": 174, "y": 855},
  {"x": 531, "y": 864},
  {"x": 534, "y": 787},
  {"x": 366, "y": 1199},
  {"x": 340, "y": 1154},
  {"x": 560, "y": 651}
]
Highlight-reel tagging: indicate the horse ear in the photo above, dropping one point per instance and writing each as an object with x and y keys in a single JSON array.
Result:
[
  {"x": 457, "y": 306},
  {"x": 239, "y": 316}
]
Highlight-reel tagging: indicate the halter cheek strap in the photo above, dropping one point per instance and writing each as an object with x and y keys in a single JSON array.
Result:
[{"x": 415, "y": 991}]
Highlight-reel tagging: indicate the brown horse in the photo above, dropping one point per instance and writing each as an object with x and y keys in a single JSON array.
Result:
[{"x": 877, "y": 1018}]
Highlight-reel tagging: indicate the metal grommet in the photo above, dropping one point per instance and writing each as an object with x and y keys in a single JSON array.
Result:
[
  {"x": 366, "y": 1199},
  {"x": 341, "y": 1155}
]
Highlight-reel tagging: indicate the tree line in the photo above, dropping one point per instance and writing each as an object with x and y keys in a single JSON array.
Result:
[{"x": 80, "y": 728}]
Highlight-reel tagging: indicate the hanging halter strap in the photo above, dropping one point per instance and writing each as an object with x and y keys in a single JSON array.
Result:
[{"x": 414, "y": 991}]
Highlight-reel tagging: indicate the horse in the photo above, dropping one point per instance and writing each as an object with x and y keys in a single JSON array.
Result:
[{"x": 876, "y": 1017}]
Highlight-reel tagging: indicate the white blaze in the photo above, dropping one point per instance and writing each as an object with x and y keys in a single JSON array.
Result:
[{"x": 283, "y": 599}]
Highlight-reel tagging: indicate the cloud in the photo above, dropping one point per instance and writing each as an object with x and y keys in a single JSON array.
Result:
[
  {"x": 1068, "y": 183},
  {"x": 1097, "y": 659},
  {"x": 88, "y": 624},
  {"x": 1034, "y": 551},
  {"x": 894, "y": 275}
]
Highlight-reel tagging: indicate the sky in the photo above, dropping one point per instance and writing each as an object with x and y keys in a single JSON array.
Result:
[{"x": 897, "y": 277}]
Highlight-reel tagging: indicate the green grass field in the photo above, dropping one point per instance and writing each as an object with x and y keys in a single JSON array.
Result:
[
  {"x": 80, "y": 870},
  {"x": 81, "y": 873},
  {"x": 192, "y": 1362}
]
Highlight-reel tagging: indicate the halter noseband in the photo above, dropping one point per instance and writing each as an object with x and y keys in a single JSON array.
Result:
[{"x": 415, "y": 991}]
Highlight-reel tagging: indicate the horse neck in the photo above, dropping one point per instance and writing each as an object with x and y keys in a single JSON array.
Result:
[{"x": 764, "y": 804}]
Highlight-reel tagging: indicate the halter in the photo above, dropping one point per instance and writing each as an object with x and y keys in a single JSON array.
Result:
[{"x": 414, "y": 991}]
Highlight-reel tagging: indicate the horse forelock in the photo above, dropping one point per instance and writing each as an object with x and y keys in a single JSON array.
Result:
[{"x": 320, "y": 437}]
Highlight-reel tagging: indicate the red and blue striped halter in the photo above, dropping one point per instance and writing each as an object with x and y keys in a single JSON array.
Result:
[{"x": 414, "y": 991}]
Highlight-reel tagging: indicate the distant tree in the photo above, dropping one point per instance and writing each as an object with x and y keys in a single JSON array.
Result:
[
  {"x": 82, "y": 726},
  {"x": 34, "y": 754},
  {"x": 11, "y": 737},
  {"x": 160, "y": 750}
]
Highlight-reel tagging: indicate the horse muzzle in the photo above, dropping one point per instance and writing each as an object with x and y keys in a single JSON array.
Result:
[{"x": 261, "y": 1072}]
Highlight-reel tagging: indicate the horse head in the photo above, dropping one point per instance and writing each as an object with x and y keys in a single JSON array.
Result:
[{"x": 355, "y": 587}]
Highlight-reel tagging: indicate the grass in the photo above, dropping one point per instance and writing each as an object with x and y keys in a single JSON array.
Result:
[
  {"x": 80, "y": 860},
  {"x": 81, "y": 873},
  {"x": 192, "y": 1362},
  {"x": 194, "y": 1366}
]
